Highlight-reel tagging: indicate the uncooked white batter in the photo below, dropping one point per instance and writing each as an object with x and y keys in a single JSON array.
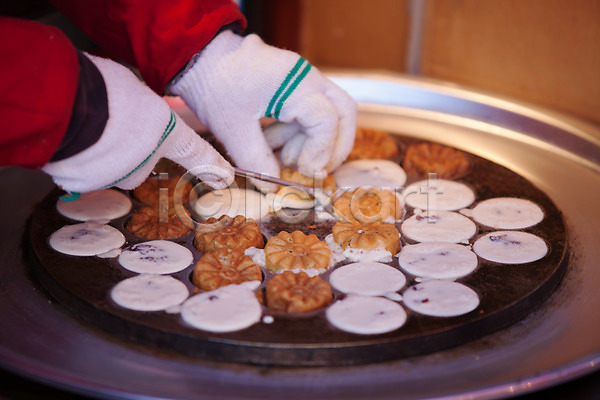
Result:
[
  {"x": 338, "y": 254},
  {"x": 149, "y": 292},
  {"x": 86, "y": 239},
  {"x": 100, "y": 205},
  {"x": 437, "y": 260},
  {"x": 508, "y": 213},
  {"x": 438, "y": 194},
  {"x": 382, "y": 174},
  {"x": 439, "y": 226},
  {"x": 438, "y": 298},
  {"x": 510, "y": 247},
  {"x": 380, "y": 254},
  {"x": 367, "y": 278},
  {"x": 257, "y": 255},
  {"x": 227, "y": 309},
  {"x": 156, "y": 257},
  {"x": 232, "y": 202},
  {"x": 366, "y": 315}
]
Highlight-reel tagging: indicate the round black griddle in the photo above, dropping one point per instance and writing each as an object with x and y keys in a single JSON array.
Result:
[{"x": 507, "y": 293}]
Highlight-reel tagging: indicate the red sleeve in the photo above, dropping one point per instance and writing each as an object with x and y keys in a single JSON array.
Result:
[
  {"x": 157, "y": 36},
  {"x": 38, "y": 84}
]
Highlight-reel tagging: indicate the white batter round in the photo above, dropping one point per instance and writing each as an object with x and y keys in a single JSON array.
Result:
[
  {"x": 232, "y": 202},
  {"x": 100, "y": 205},
  {"x": 510, "y": 247},
  {"x": 374, "y": 173},
  {"x": 439, "y": 226},
  {"x": 367, "y": 278},
  {"x": 508, "y": 213},
  {"x": 86, "y": 239},
  {"x": 366, "y": 315},
  {"x": 156, "y": 257},
  {"x": 149, "y": 292},
  {"x": 439, "y": 298},
  {"x": 227, "y": 309},
  {"x": 438, "y": 194},
  {"x": 437, "y": 260}
]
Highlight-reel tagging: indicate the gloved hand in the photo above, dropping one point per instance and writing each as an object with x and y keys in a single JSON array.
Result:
[
  {"x": 236, "y": 80},
  {"x": 141, "y": 129}
]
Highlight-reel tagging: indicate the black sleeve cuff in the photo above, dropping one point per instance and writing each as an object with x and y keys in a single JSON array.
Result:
[{"x": 90, "y": 112}]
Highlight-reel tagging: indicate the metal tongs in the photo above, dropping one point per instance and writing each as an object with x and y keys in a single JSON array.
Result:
[{"x": 271, "y": 179}]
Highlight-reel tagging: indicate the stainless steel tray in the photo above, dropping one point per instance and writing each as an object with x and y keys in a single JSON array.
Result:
[{"x": 555, "y": 343}]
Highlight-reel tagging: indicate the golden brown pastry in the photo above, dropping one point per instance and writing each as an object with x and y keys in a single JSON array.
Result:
[
  {"x": 236, "y": 233},
  {"x": 373, "y": 144},
  {"x": 366, "y": 236},
  {"x": 328, "y": 183},
  {"x": 368, "y": 205},
  {"x": 166, "y": 223},
  {"x": 224, "y": 267},
  {"x": 297, "y": 292},
  {"x": 296, "y": 251},
  {"x": 424, "y": 158},
  {"x": 149, "y": 192}
]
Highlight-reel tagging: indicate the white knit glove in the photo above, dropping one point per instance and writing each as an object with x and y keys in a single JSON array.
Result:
[
  {"x": 141, "y": 129},
  {"x": 237, "y": 80}
]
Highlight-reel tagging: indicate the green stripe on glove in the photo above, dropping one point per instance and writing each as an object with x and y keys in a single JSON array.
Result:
[{"x": 287, "y": 89}]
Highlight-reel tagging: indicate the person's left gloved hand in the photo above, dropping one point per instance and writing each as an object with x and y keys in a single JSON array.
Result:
[
  {"x": 140, "y": 130},
  {"x": 237, "y": 80}
]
